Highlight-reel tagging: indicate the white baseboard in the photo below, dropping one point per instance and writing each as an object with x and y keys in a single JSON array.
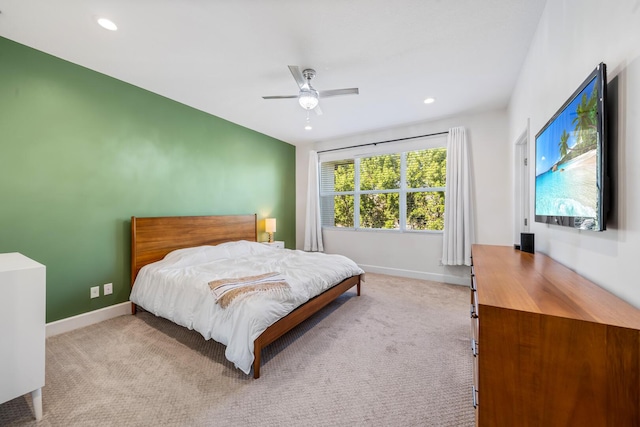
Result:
[
  {"x": 86, "y": 319},
  {"x": 412, "y": 274}
]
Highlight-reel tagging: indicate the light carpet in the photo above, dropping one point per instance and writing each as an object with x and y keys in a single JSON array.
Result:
[{"x": 398, "y": 355}]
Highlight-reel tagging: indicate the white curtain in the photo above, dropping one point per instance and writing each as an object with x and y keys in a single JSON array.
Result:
[
  {"x": 313, "y": 223},
  {"x": 458, "y": 212}
]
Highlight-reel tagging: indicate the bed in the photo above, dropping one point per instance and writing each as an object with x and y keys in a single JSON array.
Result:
[{"x": 162, "y": 247}]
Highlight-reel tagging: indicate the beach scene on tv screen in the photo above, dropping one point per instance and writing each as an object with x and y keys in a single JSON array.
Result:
[{"x": 566, "y": 160}]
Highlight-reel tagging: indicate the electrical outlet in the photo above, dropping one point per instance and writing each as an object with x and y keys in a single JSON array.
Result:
[
  {"x": 108, "y": 288},
  {"x": 95, "y": 291}
]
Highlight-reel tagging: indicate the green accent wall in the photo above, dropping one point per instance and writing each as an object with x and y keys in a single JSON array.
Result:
[{"x": 82, "y": 152}]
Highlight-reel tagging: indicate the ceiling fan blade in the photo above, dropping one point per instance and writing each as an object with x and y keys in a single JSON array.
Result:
[
  {"x": 338, "y": 92},
  {"x": 318, "y": 110},
  {"x": 297, "y": 75},
  {"x": 280, "y": 97}
]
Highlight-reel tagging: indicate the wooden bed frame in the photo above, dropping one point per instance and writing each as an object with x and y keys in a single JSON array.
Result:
[{"x": 153, "y": 238}]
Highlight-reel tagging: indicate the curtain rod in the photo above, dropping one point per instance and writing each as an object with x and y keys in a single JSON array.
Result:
[{"x": 384, "y": 142}]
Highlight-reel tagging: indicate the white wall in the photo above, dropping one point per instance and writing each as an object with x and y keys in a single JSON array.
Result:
[
  {"x": 418, "y": 254},
  {"x": 572, "y": 38}
]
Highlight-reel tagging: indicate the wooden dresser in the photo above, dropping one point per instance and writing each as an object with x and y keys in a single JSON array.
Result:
[{"x": 551, "y": 348}]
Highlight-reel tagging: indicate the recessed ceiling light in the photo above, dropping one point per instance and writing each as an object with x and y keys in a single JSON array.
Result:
[
  {"x": 107, "y": 24},
  {"x": 307, "y": 127},
  {"x": 429, "y": 101}
]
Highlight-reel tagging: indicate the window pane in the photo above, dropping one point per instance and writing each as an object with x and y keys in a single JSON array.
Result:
[
  {"x": 337, "y": 176},
  {"x": 337, "y": 211},
  {"x": 380, "y": 211},
  {"x": 425, "y": 210},
  {"x": 380, "y": 172},
  {"x": 427, "y": 168}
]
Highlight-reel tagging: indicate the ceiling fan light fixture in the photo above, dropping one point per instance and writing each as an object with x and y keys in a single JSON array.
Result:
[{"x": 308, "y": 98}]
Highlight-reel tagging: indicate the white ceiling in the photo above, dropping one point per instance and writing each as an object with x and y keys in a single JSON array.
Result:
[{"x": 222, "y": 56}]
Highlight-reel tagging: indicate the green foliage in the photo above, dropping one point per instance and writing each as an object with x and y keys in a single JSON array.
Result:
[
  {"x": 343, "y": 176},
  {"x": 380, "y": 210},
  {"x": 585, "y": 122},
  {"x": 564, "y": 147},
  {"x": 380, "y": 172},
  {"x": 344, "y": 211},
  {"x": 425, "y": 209},
  {"x": 427, "y": 168}
]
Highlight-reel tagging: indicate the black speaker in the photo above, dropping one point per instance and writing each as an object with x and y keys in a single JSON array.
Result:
[{"x": 527, "y": 243}]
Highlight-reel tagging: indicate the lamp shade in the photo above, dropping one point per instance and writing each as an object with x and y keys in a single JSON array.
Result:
[
  {"x": 308, "y": 98},
  {"x": 270, "y": 225}
]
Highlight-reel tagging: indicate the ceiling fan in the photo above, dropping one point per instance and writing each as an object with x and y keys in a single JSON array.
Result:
[{"x": 308, "y": 97}]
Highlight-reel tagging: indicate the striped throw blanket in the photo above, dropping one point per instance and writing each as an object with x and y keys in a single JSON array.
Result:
[{"x": 226, "y": 290}]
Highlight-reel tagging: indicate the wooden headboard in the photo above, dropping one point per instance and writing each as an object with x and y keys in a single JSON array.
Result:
[{"x": 153, "y": 238}]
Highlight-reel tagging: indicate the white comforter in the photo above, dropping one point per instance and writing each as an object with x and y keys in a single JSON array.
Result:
[{"x": 177, "y": 288}]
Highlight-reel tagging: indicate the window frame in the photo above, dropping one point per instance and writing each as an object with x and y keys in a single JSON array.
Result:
[{"x": 402, "y": 191}]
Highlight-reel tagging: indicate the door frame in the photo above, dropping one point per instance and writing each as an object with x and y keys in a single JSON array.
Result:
[{"x": 522, "y": 217}]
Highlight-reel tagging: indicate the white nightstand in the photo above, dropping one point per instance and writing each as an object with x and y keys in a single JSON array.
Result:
[{"x": 277, "y": 244}]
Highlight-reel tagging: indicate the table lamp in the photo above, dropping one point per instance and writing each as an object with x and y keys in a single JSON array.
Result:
[{"x": 270, "y": 227}]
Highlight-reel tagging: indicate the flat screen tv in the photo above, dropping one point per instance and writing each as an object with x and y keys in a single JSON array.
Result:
[{"x": 571, "y": 173}]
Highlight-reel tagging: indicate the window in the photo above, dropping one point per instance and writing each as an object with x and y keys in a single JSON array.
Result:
[{"x": 398, "y": 191}]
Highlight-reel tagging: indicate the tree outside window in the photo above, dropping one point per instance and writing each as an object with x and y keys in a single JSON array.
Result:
[{"x": 400, "y": 191}]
